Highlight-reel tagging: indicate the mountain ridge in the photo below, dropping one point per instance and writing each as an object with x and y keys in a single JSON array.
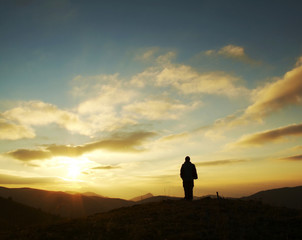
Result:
[
  {"x": 290, "y": 197},
  {"x": 62, "y": 203}
]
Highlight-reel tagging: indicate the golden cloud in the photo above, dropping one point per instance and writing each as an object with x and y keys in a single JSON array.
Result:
[
  {"x": 188, "y": 81},
  {"x": 270, "y": 136},
  {"x": 11, "y": 131},
  {"x": 122, "y": 142},
  {"x": 268, "y": 99},
  {"x": 12, "y": 179},
  {"x": 220, "y": 162},
  {"x": 276, "y": 95},
  {"x": 37, "y": 113}
]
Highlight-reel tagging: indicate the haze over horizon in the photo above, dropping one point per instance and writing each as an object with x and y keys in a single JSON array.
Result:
[{"x": 110, "y": 96}]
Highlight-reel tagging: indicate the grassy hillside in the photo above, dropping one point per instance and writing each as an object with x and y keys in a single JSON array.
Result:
[
  {"x": 201, "y": 219},
  {"x": 14, "y": 215}
]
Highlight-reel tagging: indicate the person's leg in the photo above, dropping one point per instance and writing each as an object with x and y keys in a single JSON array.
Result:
[
  {"x": 186, "y": 189},
  {"x": 190, "y": 193},
  {"x": 190, "y": 190}
]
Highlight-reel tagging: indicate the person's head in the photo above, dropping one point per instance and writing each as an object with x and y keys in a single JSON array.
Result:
[{"x": 187, "y": 159}]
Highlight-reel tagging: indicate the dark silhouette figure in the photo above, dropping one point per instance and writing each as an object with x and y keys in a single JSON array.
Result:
[{"x": 188, "y": 174}]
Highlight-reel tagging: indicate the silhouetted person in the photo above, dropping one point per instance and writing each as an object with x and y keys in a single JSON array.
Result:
[{"x": 188, "y": 174}]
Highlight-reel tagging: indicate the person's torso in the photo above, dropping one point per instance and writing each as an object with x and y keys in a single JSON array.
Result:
[{"x": 187, "y": 171}]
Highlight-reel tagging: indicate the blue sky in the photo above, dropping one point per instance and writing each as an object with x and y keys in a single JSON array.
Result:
[{"x": 154, "y": 75}]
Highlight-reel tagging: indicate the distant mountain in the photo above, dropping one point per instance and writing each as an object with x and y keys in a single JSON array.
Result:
[
  {"x": 139, "y": 198},
  {"x": 14, "y": 215},
  {"x": 61, "y": 203},
  {"x": 290, "y": 197},
  {"x": 201, "y": 219}
]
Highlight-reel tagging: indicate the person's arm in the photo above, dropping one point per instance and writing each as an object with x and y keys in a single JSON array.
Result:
[
  {"x": 195, "y": 176},
  {"x": 181, "y": 172}
]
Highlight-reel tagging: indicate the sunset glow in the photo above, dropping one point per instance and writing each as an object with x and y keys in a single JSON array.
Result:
[{"x": 110, "y": 97}]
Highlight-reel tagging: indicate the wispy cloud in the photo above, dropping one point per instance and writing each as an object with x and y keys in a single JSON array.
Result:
[
  {"x": 176, "y": 136},
  {"x": 105, "y": 167},
  {"x": 293, "y": 158},
  {"x": 12, "y": 179},
  {"x": 158, "y": 109},
  {"x": 274, "y": 135},
  {"x": 122, "y": 142},
  {"x": 220, "y": 162}
]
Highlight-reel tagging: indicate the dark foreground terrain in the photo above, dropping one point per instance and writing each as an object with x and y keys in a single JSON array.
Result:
[{"x": 201, "y": 219}]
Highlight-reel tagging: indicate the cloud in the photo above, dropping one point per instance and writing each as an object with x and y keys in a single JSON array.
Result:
[
  {"x": 38, "y": 113},
  {"x": 90, "y": 86},
  {"x": 148, "y": 54},
  {"x": 11, "y": 179},
  {"x": 28, "y": 155},
  {"x": 299, "y": 62},
  {"x": 122, "y": 142},
  {"x": 231, "y": 51},
  {"x": 12, "y": 131},
  {"x": 172, "y": 137},
  {"x": 267, "y": 100},
  {"x": 293, "y": 158},
  {"x": 277, "y": 95},
  {"x": 157, "y": 109},
  {"x": 107, "y": 98},
  {"x": 278, "y": 134},
  {"x": 106, "y": 167},
  {"x": 219, "y": 162},
  {"x": 188, "y": 81}
]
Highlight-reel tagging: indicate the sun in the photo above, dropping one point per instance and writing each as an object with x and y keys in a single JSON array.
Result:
[{"x": 74, "y": 170}]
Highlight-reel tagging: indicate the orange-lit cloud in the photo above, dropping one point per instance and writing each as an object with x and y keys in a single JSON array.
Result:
[
  {"x": 123, "y": 142},
  {"x": 278, "y": 134},
  {"x": 220, "y": 162}
]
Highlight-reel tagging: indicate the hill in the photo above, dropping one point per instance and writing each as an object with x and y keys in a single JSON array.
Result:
[
  {"x": 157, "y": 199},
  {"x": 61, "y": 203},
  {"x": 201, "y": 219},
  {"x": 14, "y": 215},
  {"x": 142, "y": 197},
  {"x": 290, "y": 197}
]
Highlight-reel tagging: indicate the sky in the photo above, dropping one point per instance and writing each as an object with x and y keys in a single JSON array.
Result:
[{"x": 111, "y": 96}]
